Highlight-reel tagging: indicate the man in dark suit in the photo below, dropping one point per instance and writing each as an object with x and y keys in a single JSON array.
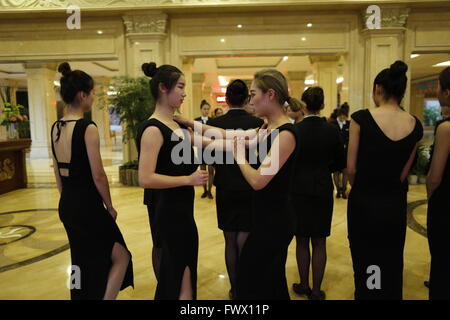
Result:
[
  {"x": 233, "y": 193},
  {"x": 204, "y": 108},
  {"x": 339, "y": 177}
]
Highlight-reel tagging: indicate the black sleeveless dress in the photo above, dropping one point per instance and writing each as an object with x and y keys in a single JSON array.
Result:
[
  {"x": 438, "y": 229},
  {"x": 262, "y": 265},
  {"x": 173, "y": 222},
  {"x": 91, "y": 230},
  {"x": 376, "y": 213}
]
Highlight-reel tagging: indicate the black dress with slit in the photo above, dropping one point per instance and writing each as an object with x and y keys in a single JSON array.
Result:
[
  {"x": 262, "y": 264},
  {"x": 438, "y": 230},
  {"x": 91, "y": 229},
  {"x": 173, "y": 222},
  {"x": 376, "y": 213}
]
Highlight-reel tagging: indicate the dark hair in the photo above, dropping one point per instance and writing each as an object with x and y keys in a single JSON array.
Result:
[
  {"x": 203, "y": 103},
  {"x": 166, "y": 74},
  {"x": 73, "y": 82},
  {"x": 345, "y": 108},
  {"x": 341, "y": 112},
  {"x": 237, "y": 93},
  {"x": 444, "y": 79},
  {"x": 313, "y": 97},
  {"x": 393, "y": 80}
]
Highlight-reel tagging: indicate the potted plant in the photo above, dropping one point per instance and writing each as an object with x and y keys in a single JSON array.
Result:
[
  {"x": 132, "y": 100},
  {"x": 422, "y": 162},
  {"x": 12, "y": 117}
]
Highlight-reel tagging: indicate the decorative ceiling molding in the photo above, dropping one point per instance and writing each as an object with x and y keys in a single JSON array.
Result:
[
  {"x": 391, "y": 17},
  {"x": 145, "y": 23}
]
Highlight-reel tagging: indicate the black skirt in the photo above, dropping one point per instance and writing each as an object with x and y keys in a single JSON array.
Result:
[
  {"x": 314, "y": 215},
  {"x": 234, "y": 210}
]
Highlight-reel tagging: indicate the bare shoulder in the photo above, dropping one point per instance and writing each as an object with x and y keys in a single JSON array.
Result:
[{"x": 443, "y": 129}]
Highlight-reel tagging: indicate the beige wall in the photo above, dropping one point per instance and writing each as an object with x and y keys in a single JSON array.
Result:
[{"x": 177, "y": 38}]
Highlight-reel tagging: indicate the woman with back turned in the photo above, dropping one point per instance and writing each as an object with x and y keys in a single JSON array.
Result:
[
  {"x": 438, "y": 190},
  {"x": 97, "y": 247},
  {"x": 319, "y": 152},
  {"x": 382, "y": 147}
]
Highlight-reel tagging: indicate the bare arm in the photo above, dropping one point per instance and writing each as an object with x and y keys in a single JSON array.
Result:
[
  {"x": 92, "y": 140},
  {"x": 440, "y": 156},
  {"x": 352, "y": 154},
  {"x": 408, "y": 164},
  {"x": 151, "y": 143},
  {"x": 284, "y": 144},
  {"x": 57, "y": 177}
]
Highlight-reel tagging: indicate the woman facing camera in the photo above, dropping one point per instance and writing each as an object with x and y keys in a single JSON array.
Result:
[
  {"x": 319, "y": 152},
  {"x": 438, "y": 189},
  {"x": 98, "y": 251},
  {"x": 171, "y": 198},
  {"x": 382, "y": 147}
]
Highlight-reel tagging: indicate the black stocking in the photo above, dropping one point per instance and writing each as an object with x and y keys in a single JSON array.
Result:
[
  {"x": 303, "y": 260},
  {"x": 319, "y": 261}
]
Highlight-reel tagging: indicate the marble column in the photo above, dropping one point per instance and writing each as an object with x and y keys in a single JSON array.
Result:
[
  {"x": 187, "y": 108},
  {"x": 197, "y": 91},
  {"x": 382, "y": 47},
  {"x": 325, "y": 75},
  {"x": 42, "y": 106},
  {"x": 296, "y": 81},
  {"x": 100, "y": 114},
  {"x": 145, "y": 42}
]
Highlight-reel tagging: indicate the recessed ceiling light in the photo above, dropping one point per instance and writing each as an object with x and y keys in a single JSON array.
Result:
[
  {"x": 239, "y": 26},
  {"x": 414, "y": 55},
  {"x": 137, "y": 43},
  {"x": 222, "y": 40},
  {"x": 340, "y": 79},
  {"x": 303, "y": 39},
  {"x": 442, "y": 64},
  {"x": 309, "y": 81},
  {"x": 309, "y": 25},
  {"x": 285, "y": 58},
  {"x": 99, "y": 31}
]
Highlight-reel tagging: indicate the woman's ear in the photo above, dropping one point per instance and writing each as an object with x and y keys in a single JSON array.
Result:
[
  {"x": 162, "y": 88},
  {"x": 271, "y": 94}
]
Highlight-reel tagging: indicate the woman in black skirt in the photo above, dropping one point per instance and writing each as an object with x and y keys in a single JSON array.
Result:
[
  {"x": 319, "y": 152},
  {"x": 171, "y": 180},
  {"x": 98, "y": 251},
  {"x": 438, "y": 189},
  {"x": 261, "y": 269},
  {"x": 234, "y": 194},
  {"x": 382, "y": 147}
]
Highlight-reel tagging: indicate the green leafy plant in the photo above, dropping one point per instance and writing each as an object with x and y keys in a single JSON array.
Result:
[
  {"x": 13, "y": 114},
  {"x": 132, "y": 100},
  {"x": 422, "y": 163}
]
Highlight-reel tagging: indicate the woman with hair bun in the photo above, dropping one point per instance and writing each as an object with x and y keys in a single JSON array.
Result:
[
  {"x": 170, "y": 185},
  {"x": 319, "y": 152},
  {"x": 97, "y": 248},
  {"x": 382, "y": 147}
]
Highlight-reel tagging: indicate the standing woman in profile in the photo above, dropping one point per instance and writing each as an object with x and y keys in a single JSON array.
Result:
[
  {"x": 319, "y": 152},
  {"x": 261, "y": 269},
  {"x": 171, "y": 184},
  {"x": 438, "y": 190},
  {"x": 382, "y": 147},
  {"x": 97, "y": 247}
]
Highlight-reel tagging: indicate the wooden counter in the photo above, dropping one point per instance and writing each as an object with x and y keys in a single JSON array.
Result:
[{"x": 13, "y": 169}]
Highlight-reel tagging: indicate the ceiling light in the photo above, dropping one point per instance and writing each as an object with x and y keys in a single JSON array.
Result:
[
  {"x": 340, "y": 80},
  {"x": 222, "y": 40},
  {"x": 442, "y": 64},
  {"x": 309, "y": 81},
  {"x": 99, "y": 31},
  {"x": 303, "y": 39},
  {"x": 222, "y": 81},
  {"x": 309, "y": 25},
  {"x": 285, "y": 58},
  {"x": 414, "y": 55},
  {"x": 239, "y": 26}
]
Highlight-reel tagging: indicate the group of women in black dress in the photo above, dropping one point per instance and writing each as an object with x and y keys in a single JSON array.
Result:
[{"x": 262, "y": 204}]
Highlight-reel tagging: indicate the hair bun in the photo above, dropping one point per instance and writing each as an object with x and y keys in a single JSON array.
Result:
[
  {"x": 149, "y": 69},
  {"x": 64, "y": 69},
  {"x": 398, "y": 68}
]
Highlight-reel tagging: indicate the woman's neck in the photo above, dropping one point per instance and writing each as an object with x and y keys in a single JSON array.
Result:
[
  {"x": 390, "y": 105},
  {"x": 163, "y": 112},
  {"x": 74, "y": 113},
  {"x": 277, "y": 118}
]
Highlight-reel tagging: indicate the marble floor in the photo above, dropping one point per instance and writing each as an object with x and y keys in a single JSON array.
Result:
[{"x": 34, "y": 255}]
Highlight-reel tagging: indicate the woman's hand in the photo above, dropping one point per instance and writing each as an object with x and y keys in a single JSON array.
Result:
[
  {"x": 198, "y": 178},
  {"x": 112, "y": 212}
]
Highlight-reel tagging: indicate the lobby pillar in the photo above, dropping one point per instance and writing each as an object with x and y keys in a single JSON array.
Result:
[
  {"x": 42, "y": 106},
  {"x": 100, "y": 114},
  {"x": 187, "y": 108},
  {"x": 145, "y": 42},
  {"x": 296, "y": 81},
  {"x": 382, "y": 47},
  {"x": 325, "y": 75},
  {"x": 197, "y": 91}
]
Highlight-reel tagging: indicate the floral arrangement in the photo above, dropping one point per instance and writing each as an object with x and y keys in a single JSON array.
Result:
[{"x": 12, "y": 114}]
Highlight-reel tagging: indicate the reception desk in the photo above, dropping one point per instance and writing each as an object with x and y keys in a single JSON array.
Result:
[{"x": 13, "y": 169}]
